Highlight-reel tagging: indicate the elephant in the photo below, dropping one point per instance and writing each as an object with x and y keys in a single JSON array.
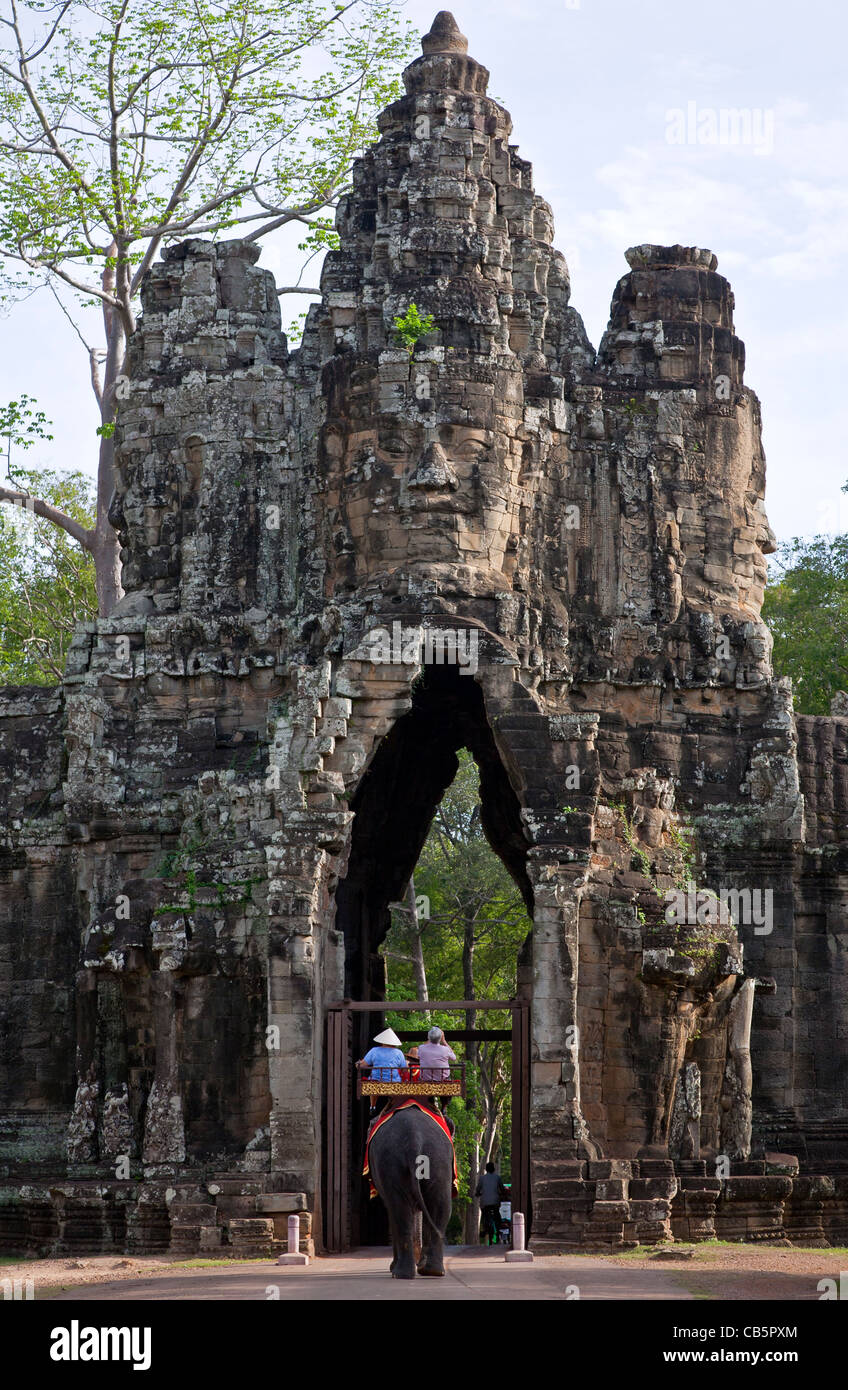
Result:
[{"x": 411, "y": 1164}]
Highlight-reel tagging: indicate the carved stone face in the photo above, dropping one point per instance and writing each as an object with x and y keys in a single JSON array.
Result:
[
  {"x": 437, "y": 486},
  {"x": 438, "y": 468}
]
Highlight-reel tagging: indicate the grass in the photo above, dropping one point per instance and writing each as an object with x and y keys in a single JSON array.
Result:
[
  {"x": 703, "y": 1248},
  {"x": 214, "y": 1264}
]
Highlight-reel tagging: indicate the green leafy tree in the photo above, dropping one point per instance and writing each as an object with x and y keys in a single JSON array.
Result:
[
  {"x": 806, "y": 608},
  {"x": 47, "y": 582},
  {"x": 472, "y": 924},
  {"x": 129, "y": 124},
  {"x": 21, "y": 425}
]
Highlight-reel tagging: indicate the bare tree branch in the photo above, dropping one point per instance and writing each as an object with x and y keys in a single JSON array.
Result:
[
  {"x": 59, "y": 518},
  {"x": 60, "y": 153}
]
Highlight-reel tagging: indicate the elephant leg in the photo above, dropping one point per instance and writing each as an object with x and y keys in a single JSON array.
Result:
[
  {"x": 433, "y": 1255},
  {"x": 402, "y": 1226},
  {"x": 433, "y": 1258}
]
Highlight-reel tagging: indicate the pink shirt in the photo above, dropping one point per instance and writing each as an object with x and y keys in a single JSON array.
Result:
[{"x": 433, "y": 1058}]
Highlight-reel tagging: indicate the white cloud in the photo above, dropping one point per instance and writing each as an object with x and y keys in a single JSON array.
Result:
[{"x": 663, "y": 198}]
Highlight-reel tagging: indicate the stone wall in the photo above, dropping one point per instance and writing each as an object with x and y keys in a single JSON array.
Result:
[{"x": 38, "y": 930}]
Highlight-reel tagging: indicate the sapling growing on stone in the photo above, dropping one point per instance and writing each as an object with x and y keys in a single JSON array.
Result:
[{"x": 412, "y": 326}]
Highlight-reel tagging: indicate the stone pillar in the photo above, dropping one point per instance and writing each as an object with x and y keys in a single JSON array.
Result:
[
  {"x": 81, "y": 1141},
  {"x": 164, "y": 1137},
  {"x": 116, "y": 1137},
  {"x": 558, "y": 1131},
  {"x": 299, "y": 901},
  {"x": 738, "y": 1081}
]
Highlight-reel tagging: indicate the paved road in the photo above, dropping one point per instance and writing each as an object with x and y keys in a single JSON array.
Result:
[{"x": 473, "y": 1273}]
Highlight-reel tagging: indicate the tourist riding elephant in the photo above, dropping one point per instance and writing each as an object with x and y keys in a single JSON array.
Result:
[{"x": 411, "y": 1165}]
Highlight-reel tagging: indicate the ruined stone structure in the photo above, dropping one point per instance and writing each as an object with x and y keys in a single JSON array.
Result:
[{"x": 204, "y": 825}]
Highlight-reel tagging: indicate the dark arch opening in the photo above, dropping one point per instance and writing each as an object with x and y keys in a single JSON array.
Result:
[
  {"x": 394, "y": 807},
  {"x": 395, "y": 804}
]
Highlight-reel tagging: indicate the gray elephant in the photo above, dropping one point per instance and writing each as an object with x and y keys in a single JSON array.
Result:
[{"x": 411, "y": 1164}]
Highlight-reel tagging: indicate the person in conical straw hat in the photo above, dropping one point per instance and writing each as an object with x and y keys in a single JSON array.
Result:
[{"x": 385, "y": 1059}]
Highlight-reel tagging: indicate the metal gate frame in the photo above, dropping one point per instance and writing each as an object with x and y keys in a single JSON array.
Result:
[
  {"x": 335, "y": 1206},
  {"x": 336, "y": 1184}
]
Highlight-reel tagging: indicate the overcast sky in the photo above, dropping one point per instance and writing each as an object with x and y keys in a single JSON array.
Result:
[{"x": 618, "y": 104}]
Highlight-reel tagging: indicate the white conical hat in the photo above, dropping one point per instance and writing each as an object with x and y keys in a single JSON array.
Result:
[{"x": 388, "y": 1038}]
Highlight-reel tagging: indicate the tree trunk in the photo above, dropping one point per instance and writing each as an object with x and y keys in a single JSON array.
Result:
[
  {"x": 417, "y": 948},
  {"x": 105, "y": 547},
  {"x": 472, "y": 1215},
  {"x": 491, "y": 1108}
]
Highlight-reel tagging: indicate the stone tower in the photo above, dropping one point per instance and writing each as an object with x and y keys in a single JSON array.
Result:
[{"x": 342, "y": 565}]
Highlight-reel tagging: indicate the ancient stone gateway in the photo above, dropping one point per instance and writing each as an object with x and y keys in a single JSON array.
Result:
[{"x": 342, "y": 565}]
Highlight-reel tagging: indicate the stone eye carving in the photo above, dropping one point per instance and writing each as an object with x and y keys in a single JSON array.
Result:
[{"x": 472, "y": 451}]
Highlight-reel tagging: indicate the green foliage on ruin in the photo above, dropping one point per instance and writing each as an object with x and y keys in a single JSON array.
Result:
[
  {"x": 682, "y": 836},
  {"x": 638, "y": 854},
  {"x": 180, "y": 867},
  {"x": 412, "y": 326},
  {"x": 806, "y": 608}
]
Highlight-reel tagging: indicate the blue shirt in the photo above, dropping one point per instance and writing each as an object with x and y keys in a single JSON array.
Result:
[{"x": 384, "y": 1063}]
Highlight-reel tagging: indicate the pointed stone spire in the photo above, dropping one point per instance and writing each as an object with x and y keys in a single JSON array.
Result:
[
  {"x": 444, "y": 36},
  {"x": 443, "y": 211},
  {"x": 445, "y": 64}
]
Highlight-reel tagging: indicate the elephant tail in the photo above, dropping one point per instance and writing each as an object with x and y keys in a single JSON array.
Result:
[{"x": 418, "y": 1197}]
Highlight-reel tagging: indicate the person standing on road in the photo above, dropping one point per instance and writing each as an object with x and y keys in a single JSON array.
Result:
[{"x": 491, "y": 1191}]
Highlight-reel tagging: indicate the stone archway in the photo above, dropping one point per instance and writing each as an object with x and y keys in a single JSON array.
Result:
[
  {"x": 393, "y": 808},
  {"x": 523, "y": 755},
  {"x": 396, "y": 801}
]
